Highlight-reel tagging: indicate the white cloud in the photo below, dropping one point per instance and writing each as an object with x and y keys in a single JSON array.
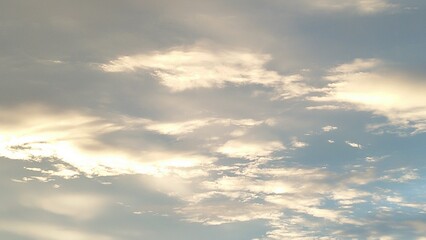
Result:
[
  {"x": 216, "y": 214},
  {"x": 301, "y": 190},
  {"x": 354, "y": 145},
  {"x": 185, "y": 127},
  {"x": 60, "y": 170},
  {"x": 400, "y": 175},
  {"x": 198, "y": 67},
  {"x": 358, "y": 65},
  {"x": 311, "y": 207},
  {"x": 72, "y": 138},
  {"x": 298, "y": 144},
  {"x": 367, "y": 85},
  {"x": 375, "y": 159},
  {"x": 249, "y": 150},
  {"x": 242, "y": 185},
  {"x": 177, "y": 128},
  {"x": 329, "y": 128},
  {"x": 324, "y": 107},
  {"x": 348, "y": 197}
]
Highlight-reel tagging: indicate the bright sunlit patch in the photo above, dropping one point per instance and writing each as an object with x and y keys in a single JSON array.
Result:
[
  {"x": 249, "y": 150},
  {"x": 65, "y": 138}
]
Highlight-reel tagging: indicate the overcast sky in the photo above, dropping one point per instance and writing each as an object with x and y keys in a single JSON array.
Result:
[{"x": 212, "y": 119}]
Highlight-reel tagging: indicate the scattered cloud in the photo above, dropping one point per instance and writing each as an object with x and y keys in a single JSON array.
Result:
[
  {"x": 208, "y": 117},
  {"x": 400, "y": 175}
]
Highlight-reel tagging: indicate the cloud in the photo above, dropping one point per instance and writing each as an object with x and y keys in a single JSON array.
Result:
[
  {"x": 276, "y": 195},
  {"x": 216, "y": 214},
  {"x": 370, "y": 85},
  {"x": 298, "y": 144},
  {"x": 375, "y": 158},
  {"x": 59, "y": 170},
  {"x": 354, "y": 145},
  {"x": 199, "y": 67},
  {"x": 400, "y": 175},
  {"x": 74, "y": 205},
  {"x": 37, "y": 230},
  {"x": 242, "y": 185},
  {"x": 250, "y": 150},
  {"x": 420, "y": 227},
  {"x": 71, "y": 141},
  {"x": 324, "y": 107},
  {"x": 358, "y": 65},
  {"x": 362, "y": 6},
  {"x": 184, "y": 127},
  {"x": 329, "y": 128},
  {"x": 178, "y": 128},
  {"x": 143, "y": 114}
]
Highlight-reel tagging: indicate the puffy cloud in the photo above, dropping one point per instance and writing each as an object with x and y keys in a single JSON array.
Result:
[
  {"x": 198, "y": 67},
  {"x": 368, "y": 85}
]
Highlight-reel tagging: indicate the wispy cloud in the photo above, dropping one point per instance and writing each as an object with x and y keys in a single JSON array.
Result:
[
  {"x": 74, "y": 205},
  {"x": 361, "y": 6},
  {"x": 199, "y": 67},
  {"x": 72, "y": 138},
  {"x": 48, "y": 231}
]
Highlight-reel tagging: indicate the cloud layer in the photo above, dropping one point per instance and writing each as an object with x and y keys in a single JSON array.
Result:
[{"x": 222, "y": 119}]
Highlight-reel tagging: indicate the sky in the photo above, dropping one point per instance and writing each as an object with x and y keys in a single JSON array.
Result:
[{"x": 225, "y": 119}]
